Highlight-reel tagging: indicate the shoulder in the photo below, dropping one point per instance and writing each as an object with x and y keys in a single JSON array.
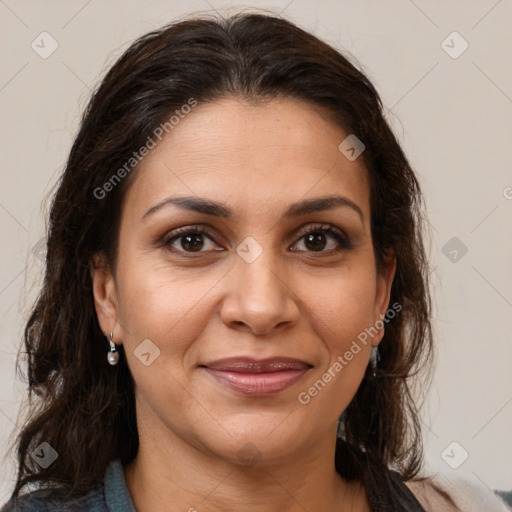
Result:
[
  {"x": 445, "y": 492},
  {"x": 49, "y": 501}
]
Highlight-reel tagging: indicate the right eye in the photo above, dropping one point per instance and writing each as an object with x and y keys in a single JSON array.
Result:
[{"x": 190, "y": 239}]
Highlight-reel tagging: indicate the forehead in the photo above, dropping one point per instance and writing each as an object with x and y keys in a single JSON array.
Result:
[{"x": 253, "y": 157}]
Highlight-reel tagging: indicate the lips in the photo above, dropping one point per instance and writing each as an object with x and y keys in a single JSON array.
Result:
[
  {"x": 248, "y": 365},
  {"x": 252, "y": 377}
]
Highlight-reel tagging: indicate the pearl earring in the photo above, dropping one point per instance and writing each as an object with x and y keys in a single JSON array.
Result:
[{"x": 113, "y": 355}]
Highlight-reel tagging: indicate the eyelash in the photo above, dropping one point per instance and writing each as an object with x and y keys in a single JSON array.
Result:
[{"x": 343, "y": 241}]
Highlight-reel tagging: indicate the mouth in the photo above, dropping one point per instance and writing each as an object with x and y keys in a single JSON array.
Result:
[{"x": 257, "y": 378}]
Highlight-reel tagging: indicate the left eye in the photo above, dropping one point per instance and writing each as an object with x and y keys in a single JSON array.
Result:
[
  {"x": 190, "y": 239},
  {"x": 316, "y": 239}
]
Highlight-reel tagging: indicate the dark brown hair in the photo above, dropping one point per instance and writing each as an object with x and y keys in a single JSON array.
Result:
[{"x": 84, "y": 408}]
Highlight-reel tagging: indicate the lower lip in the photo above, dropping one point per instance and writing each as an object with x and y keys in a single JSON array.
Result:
[{"x": 257, "y": 384}]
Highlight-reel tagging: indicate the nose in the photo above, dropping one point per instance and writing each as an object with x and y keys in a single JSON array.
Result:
[{"x": 260, "y": 299}]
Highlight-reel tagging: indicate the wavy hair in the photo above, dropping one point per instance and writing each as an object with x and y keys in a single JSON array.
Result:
[{"x": 84, "y": 408}]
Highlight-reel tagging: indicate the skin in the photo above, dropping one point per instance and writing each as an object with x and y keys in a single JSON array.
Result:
[{"x": 296, "y": 299}]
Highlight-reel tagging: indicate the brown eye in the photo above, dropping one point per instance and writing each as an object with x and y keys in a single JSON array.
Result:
[
  {"x": 192, "y": 242},
  {"x": 315, "y": 241},
  {"x": 189, "y": 240}
]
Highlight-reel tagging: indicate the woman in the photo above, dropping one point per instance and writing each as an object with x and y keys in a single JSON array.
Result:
[{"x": 235, "y": 304}]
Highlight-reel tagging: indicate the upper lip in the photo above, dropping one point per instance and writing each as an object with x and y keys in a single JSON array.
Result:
[{"x": 251, "y": 365}]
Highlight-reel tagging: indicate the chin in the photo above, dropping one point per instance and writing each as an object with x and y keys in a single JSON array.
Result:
[{"x": 257, "y": 448}]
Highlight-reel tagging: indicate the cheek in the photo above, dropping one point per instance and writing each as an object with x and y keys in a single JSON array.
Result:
[
  {"x": 343, "y": 310},
  {"x": 343, "y": 306},
  {"x": 171, "y": 312},
  {"x": 170, "y": 309},
  {"x": 157, "y": 300}
]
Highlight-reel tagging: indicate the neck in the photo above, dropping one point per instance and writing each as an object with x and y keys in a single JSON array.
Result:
[{"x": 169, "y": 474}]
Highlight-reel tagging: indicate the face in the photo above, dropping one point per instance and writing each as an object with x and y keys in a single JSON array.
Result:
[{"x": 247, "y": 306}]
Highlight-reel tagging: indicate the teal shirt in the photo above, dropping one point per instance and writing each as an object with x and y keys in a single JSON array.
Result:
[{"x": 113, "y": 496}]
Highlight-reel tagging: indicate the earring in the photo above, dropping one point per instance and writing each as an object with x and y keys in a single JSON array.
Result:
[
  {"x": 113, "y": 355},
  {"x": 374, "y": 359}
]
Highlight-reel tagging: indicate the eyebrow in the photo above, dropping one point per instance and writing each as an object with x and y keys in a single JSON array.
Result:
[{"x": 216, "y": 209}]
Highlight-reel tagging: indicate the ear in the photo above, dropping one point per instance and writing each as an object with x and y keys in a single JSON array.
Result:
[
  {"x": 383, "y": 291},
  {"x": 105, "y": 297}
]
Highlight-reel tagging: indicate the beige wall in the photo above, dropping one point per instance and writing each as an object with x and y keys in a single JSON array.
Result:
[{"x": 452, "y": 114}]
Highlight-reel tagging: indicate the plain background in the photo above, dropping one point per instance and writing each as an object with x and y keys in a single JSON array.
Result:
[{"x": 451, "y": 114}]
